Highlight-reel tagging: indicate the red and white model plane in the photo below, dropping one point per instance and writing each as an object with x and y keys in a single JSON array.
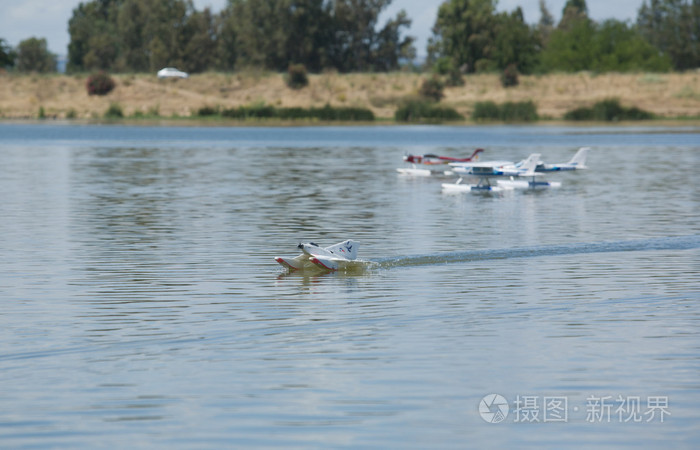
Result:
[{"x": 431, "y": 160}]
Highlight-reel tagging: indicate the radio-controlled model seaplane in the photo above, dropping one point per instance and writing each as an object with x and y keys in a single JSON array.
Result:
[
  {"x": 517, "y": 174},
  {"x": 314, "y": 257},
  {"x": 485, "y": 171},
  {"x": 432, "y": 160},
  {"x": 578, "y": 162}
]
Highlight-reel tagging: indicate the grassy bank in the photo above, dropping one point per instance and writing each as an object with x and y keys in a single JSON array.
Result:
[{"x": 144, "y": 96}]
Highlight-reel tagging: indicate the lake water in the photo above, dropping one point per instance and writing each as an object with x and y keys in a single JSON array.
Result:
[{"x": 142, "y": 307}]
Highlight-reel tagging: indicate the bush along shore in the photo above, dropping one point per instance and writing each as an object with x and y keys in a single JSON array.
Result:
[
  {"x": 331, "y": 97},
  {"x": 327, "y": 113},
  {"x": 412, "y": 111}
]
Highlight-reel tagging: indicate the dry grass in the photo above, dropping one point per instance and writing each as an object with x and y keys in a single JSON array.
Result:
[{"x": 21, "y": 96}]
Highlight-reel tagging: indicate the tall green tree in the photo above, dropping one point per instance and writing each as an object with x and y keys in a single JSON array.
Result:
[
  {"x": 464, "y": 33},
  {"x": 200, "y": 42},
  {"x": 673, "y": 26},
  {"x": 139, "y": 35},
  {"x": 574, "y": 11},
  {"x": 620, "y": 48},
  {"x": 515, "y": 43},
  {"x": 578, "y": 5},
  {"x": 131, "y": 23},
  {"x": 546, "y": 23},
  {"x": 469, "y": 34},
  {"x": 570, "y": 49},
  {"x": 391, "y": 48},
  {"x": 92, "y": 21},
  {"x": 340, "y": 34},
  {"x": 357, "y": 45},
  {"x": 226, "y": 32},
  {"x": 609, "y": 46},
  {"x": 260, "y": 33},
  {"x": 309, "y": 33},
  {"x": 7, "y": 55},
  {"x": 33, "y": 56}
]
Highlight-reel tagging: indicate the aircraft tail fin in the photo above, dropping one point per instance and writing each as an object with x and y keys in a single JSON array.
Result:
[
  {"x": 346, "y": 249},
  {"x": 579, "y": 159},
  {"x": 528, "y": 166}
]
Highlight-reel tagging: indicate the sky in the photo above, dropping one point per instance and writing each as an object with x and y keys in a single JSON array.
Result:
[{"x": 22, "y": 19}]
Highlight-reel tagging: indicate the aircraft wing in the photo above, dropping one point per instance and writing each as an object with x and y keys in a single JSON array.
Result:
[
  {"x": 486, "y": 169},
  {"x": 293, "y": 264},
  {"x": 500, "y": 168},
  {"x": 483, "y": 164}
]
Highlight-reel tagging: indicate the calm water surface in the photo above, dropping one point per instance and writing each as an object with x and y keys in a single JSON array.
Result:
[{"x": 142, "y": 307}]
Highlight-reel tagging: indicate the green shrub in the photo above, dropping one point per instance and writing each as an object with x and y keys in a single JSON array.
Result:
[
  {"x": 99, "y": 84},
  {"x": 509, "y": 77},
  {"x": 518, "y": 112},
  {"x": 454, "y": 78},
  {"x": 296, "y": 76},
  {"x": 432, "y": 89},
  {"x": 453, "y": 75},
  {"x": 207, "y": 111},
  {"x": 114, "y": 111},
  {"x": 507, "y": 112},
  {"x": 345, "y": 113},
  {"x": 421, "y": 110},
  {"x": 609, "y": 110},
  {"x": 581, "y": 113},
  {"x": 71, "y": 114},
  {"x": 486, "y": 111},
  {"x": 327, "y": 113},
  {"x": 249, "y": 112},
  {"x": 42, "y": 113},
  {"x": 635, "y": 113}
]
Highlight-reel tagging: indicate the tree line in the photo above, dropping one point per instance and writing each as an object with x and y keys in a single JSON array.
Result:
[
  {"x": 141, "y": 35},
  {"x": 469, "y": 36}
]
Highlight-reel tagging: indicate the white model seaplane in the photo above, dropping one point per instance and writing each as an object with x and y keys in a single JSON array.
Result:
[
  {"x": 484, "y": 171},
  {"x": 430, "y": 159},
  {"x": 331, "y": 258},
  {"x": 578, "y": 162}
]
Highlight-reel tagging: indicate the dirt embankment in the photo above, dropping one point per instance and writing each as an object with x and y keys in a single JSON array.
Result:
[{"x": 61, "y": 96}]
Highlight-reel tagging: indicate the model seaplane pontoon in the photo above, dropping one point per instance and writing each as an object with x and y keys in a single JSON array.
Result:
[
  {"x": 430, "y": 159},
  {"x": 314, "y": 257}
]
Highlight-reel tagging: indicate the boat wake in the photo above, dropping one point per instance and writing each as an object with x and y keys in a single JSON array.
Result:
[
  {"x": 665, "y": 243},
  {"x": 359, "y": 267}
]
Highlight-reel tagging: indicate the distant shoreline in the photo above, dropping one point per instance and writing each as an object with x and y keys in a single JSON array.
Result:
[
  {"x": 674, "y": 98},
  {"x": 676, "y": 125}
]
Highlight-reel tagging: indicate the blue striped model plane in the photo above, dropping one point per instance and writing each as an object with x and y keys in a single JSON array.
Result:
[
  {"x": 487, "y": 170},
  {"x": 521, "y": 175}
]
